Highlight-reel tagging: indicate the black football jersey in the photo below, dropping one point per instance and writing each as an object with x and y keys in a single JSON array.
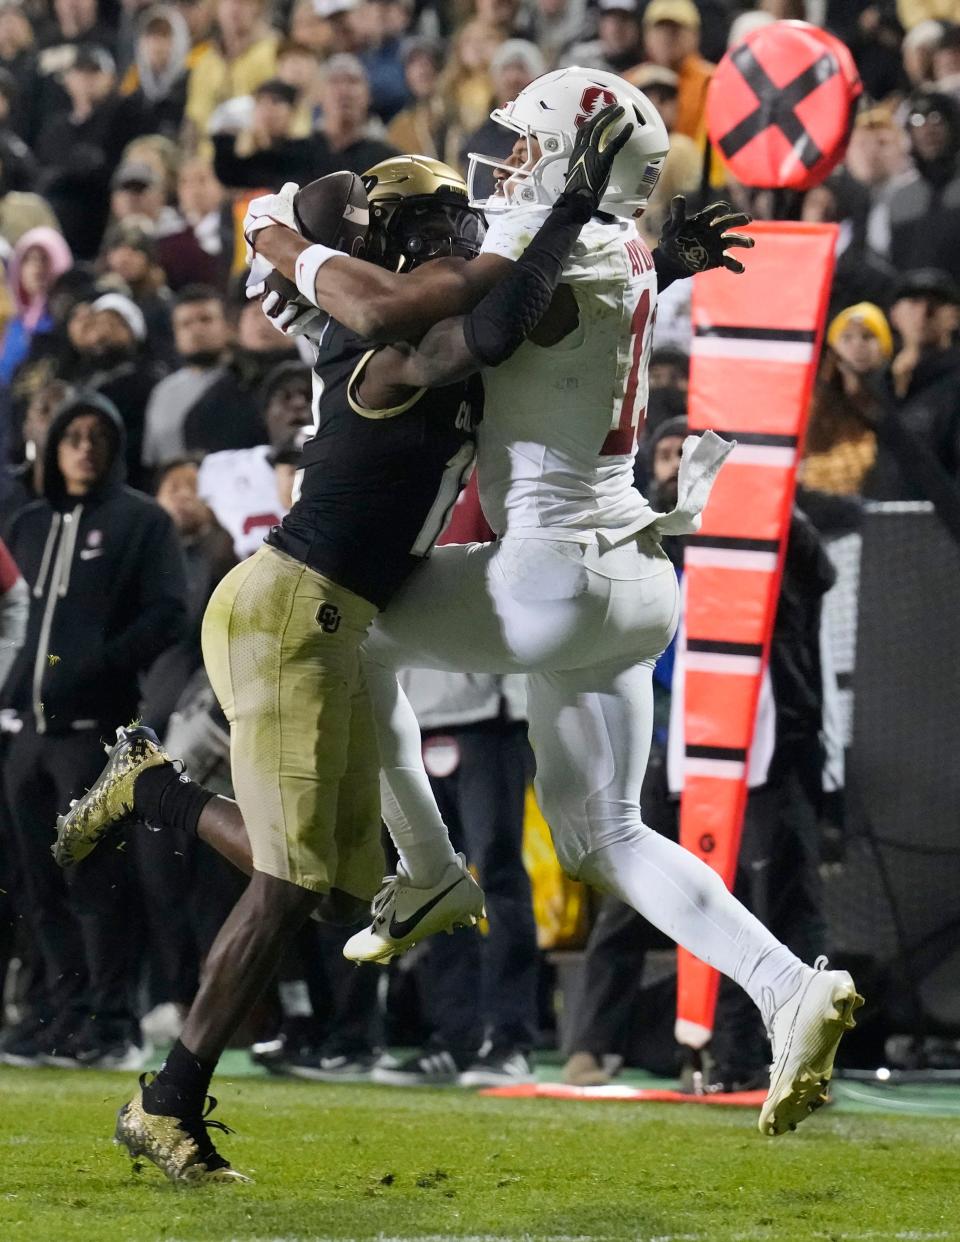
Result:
[{"x": 377, "y": 485}]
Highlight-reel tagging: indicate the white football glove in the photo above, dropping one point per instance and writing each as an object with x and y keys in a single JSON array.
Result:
[
  {"x": 293, "y": 317},
  {"x": 260, "y": 269},
  {"x": 268, "y": 210}
]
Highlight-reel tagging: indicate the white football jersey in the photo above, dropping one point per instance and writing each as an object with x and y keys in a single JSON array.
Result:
[
  {"x": 240, "y": 486},
  {"x": 559, "y": 432}
]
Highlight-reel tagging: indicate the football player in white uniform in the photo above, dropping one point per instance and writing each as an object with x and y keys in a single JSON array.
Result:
[{"x": 576, "y": 592}]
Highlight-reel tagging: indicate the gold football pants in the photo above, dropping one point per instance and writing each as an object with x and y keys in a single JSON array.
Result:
[{"x": 281, "y": 646}]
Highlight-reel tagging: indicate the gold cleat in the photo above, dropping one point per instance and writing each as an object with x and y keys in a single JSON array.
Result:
[
  {"x": 109, "y": 801},
  {"x": 805, "y": 1033},
  {"x": 180, "y": 1147}
]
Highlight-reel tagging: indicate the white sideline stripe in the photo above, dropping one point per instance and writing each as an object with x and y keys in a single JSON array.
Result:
[
  {"x": 722, "y": 662},
  {"x": 730, "y": 558},
  {"x": 818, "y": 1235},
  {"x": 749, "y": 348},
  {"x": 721, "y": 769},
  {"x": 780, "y": 455},
  {"x": 475, "y": 1237}
]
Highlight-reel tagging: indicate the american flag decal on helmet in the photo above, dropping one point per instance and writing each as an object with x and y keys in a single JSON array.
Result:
[{"x": 593, "y": 100}]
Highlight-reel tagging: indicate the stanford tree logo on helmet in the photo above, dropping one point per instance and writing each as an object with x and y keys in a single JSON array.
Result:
[{"x": 593, "y": 100}]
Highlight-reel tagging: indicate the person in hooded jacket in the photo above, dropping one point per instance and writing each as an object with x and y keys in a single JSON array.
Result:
[
  {"x": 112, "y": 355},
  {"x": 922, "y": 216},
  {"x": 158, "y": 86},
  {"x": 39, "y": 257},
  {"x": 107, "y": 596}
]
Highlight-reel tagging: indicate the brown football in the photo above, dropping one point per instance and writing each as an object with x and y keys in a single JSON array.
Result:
[{"x": 333, "y": 211}]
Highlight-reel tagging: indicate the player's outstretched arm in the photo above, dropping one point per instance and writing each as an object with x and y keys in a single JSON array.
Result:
[
  {"x": 493, "y": 331},
  {"x": 697, "y": 243},
  {"x": 377, "y": 304}
]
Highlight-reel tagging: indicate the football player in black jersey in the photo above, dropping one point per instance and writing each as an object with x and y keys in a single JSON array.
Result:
[{"x": 281, "y": 641}]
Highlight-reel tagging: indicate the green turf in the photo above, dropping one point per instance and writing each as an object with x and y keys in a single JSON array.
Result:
[{"x": 373, "y": 1163}]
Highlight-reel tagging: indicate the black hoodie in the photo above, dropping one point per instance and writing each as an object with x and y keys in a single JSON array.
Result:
[{"x": 107, "y": 591}]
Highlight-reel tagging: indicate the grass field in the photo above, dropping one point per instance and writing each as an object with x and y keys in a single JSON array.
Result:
[{"x": 367, "y": 1162}]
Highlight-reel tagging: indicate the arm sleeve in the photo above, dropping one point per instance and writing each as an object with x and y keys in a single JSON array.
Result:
[{"x": 502, "y": 320}]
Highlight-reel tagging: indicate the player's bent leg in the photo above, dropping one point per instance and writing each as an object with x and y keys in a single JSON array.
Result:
[
  {"x": 141, "y": 782},
  {"x": 221, "y": 826},
  {"x": 433, "y": 890},
  {"x": 281, "y": 648},
  {"x": 591, "y": 731},
  {"x": 409, "y": 808},
  {"x": 168, "y": 1120},
  {"x": 493, "y": 608}
]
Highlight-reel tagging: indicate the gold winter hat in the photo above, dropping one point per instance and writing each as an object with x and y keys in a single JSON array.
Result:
[{"x": 872, "y": 318}]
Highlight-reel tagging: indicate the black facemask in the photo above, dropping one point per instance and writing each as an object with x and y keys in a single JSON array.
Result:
[{"x": 413, "y": 232}]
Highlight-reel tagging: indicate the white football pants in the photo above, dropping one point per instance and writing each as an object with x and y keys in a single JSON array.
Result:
[{"x": 586, "y": 627}]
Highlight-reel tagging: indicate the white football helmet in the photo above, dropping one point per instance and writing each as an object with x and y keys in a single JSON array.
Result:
[{"x": 551, "y": 110}]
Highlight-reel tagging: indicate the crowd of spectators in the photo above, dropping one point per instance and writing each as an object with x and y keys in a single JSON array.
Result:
[{"x": 132, "y": 136}]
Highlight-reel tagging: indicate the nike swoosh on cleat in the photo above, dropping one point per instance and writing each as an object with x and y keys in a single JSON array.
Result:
[{"x": 399, "y": 930}]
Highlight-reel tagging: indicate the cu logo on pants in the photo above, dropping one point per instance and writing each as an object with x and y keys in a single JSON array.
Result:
[{"x": 328, "y": 618}]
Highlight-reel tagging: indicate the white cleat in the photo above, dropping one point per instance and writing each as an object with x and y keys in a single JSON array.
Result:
[
  {"x": 404, "y": 915},
  {"x": 805, "y": 1033}
]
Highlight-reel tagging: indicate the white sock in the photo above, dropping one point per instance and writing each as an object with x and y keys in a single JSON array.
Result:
[
  {"x": 686, "y": 899},
  {"x": 407, "y": 803},
  {"x": 414, "y": 822}
]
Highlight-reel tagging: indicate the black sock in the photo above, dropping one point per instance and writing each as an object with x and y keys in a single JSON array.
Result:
[
  {"x": 180, "y": 1088},
  {"x": 162, "y": 796}
]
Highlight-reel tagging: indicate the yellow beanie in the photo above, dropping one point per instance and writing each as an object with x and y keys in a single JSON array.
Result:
[{"x": 872, "y": 318}]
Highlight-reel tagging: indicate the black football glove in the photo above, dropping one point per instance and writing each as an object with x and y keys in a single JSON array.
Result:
[
  {"x": 591, "y": 160},
  {"x": 699, "y": 243}
]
